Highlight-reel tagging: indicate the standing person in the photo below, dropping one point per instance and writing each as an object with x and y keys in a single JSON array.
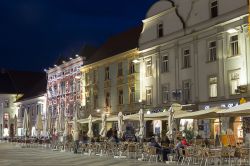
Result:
[{"x": 76, "y": 141}]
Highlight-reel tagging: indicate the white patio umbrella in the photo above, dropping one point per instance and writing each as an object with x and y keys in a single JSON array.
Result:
[
  {"x": 48, "y": 123},
  {"x": 39, "y": 124},
  {"x": 57, "y": 124},
  {"x": 170, "y": 123},
  {"x": 15, "y": 125},
  {"x": 141, "y": 119},
  {"x": 75, "y": 127},
  {"x": 120, "y": 124},
  {"x": 90, "y": 131},
  {"x": 65, "y": 133},
  {"x": 104, "y": 127},
  {"x": 26, "y": 123}
]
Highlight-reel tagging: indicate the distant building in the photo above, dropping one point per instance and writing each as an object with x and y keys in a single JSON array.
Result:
[
  {"x": 64, "y": 85},
  {"x": 14, "y": 84},
  {"x": 34, "y": 102}
]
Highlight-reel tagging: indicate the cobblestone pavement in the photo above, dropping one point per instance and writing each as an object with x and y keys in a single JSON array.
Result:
[{"x": 12, "y": 155}]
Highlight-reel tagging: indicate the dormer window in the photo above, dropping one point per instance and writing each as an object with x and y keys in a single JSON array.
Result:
[{"x": 160, "y": 30}]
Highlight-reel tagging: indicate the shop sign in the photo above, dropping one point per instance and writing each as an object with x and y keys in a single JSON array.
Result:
[{"x": 223, "y": 105}]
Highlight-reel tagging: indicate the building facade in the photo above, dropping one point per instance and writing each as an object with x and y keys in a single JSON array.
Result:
[
  {"x": 64, "y": 87},
  {"x": 111, "y": 80},
  {"x": 14, "y": 85},
  {"x": 195, "y": 53}
]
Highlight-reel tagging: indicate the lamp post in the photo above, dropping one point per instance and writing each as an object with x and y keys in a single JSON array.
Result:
[{"x": 177, "y": 94}]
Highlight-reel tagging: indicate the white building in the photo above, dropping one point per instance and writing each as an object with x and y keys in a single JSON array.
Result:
[
  {"x": 195, "y": 52},
  {"x": 14, "y": 85}
]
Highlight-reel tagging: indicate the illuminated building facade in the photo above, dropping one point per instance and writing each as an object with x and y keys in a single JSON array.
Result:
[
  {"x": 195, "y": 53},
  {"x": 64, "y": 92},
  {"x": 14, "y": 85},
  {"x": 110, "y": 78}
]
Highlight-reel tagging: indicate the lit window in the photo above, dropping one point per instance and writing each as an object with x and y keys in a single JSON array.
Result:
[
  {"x": 119, "y": 69},
  {"x": 165, "y": 94},
  {"x": 213, "y": 87},
  {"x": 186, "y": 91},
  {"x": 132, "y": 94},
  {"x": 164, "y": 67},
  {"x": 212, "y": 51},
  {"x": 148, "y": 96},
  {"x": 120, "y": 96},
  {"x": 214, "y": 8},
  {"x": 186, "y": 58},
  {"x": 148, "y": 67},
  {"x": 160, "y": 30},
  {"x": 234, "y": 82},
  {"x": 234, "y": 47},
  {"x": 107, "y": 73}
]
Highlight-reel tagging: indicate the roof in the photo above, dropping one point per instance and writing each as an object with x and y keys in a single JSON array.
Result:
[
  {"x": 38, "y": 89},
  {"x": 86, "y": 51},
  {"x": 14, "y": 82},
  {"x": 117, "y": 44}
]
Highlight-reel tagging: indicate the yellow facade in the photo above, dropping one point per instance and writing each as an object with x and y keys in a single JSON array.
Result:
[{"x": 95, "y": 86}]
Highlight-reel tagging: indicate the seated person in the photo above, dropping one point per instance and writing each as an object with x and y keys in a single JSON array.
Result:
[{"x": 184, "y": 142}]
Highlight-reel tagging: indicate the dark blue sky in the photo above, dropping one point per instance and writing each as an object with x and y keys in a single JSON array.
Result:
[{"x": 33, "y": 33}]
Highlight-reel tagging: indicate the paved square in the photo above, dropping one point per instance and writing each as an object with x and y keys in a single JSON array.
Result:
[{"x": 11, "y": 155}]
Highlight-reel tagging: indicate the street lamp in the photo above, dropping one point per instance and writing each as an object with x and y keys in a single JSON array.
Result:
[{"x": 176, "y": 94}]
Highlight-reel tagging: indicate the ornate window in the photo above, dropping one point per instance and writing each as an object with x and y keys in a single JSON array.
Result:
[
  {"x": 186, "y": 58},
  {"x": 149, "y": 67},
  {"x": 234, "y": 45},
  {"x": 164, "y": 66},
  {"x": 213, "y": 84},
  {"x": 212, "y": 51}
]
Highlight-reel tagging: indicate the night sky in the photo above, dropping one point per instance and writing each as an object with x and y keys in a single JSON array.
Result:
[{"x": 33, "y": 33}]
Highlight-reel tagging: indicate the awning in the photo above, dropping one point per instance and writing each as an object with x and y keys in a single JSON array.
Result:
[
  {"x": 202, "y": 114},
  {"x": 240, "y": 110}
]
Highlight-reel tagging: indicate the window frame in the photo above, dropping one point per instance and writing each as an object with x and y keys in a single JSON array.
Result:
[
  {"x": 120, "y": 97},
  {"x": 165, "y": 63},
  {"x": 184, "y": 91},
  {"x": 166, "y": 91},
  {"x": 184, "y": 55},
  {"x": 119, "y": 69},
  {"x": 210, "y": 84},
  {"x": 234, "y": 43},
  {"x": 211, "y": 51},
  {"x": 132, "y": 95},
  {"x": 148, "y": 67},
  {"x": 160, "y": 30},
  {"x": 237, "y": 71},
  {"x": 214, "y": 8}
]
